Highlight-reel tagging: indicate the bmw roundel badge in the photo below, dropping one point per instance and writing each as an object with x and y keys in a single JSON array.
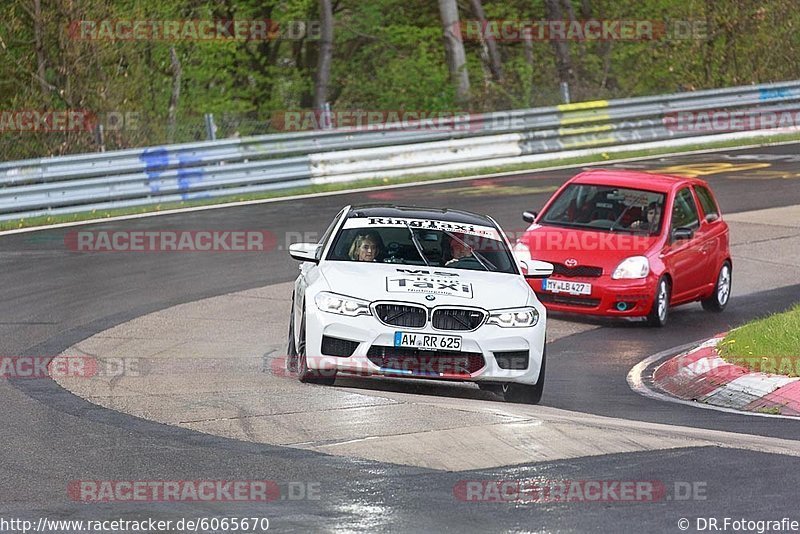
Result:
[{"x": 430, "y": 297}]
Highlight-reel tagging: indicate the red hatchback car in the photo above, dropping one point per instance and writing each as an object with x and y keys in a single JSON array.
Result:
[{"x": 630, "y": 244}]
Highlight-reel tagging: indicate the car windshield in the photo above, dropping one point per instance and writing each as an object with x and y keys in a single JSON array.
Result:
[
  {"x": 605, "y": 207},
  {"x": 420, "y": 242}
]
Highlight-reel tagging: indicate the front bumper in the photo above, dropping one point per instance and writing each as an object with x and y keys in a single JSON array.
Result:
[
  {"x": 482, "y": 353},
  {"x": 613, "y": 298}
]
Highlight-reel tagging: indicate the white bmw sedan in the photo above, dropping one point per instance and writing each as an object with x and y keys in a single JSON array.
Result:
[{"x": 418, "y": 293}]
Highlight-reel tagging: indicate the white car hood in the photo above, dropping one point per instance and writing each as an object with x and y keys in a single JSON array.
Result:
[{"x": 408, "y": 283}]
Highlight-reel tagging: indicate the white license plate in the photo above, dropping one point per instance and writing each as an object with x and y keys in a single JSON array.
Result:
[
  {"x": 565, "y": 286},
  {"x": 418, "y": 340}
]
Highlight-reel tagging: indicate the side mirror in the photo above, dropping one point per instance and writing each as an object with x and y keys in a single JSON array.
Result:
[
  {"x": 535, "y": 269},
  {"x": 304, "y": 251},
  {"x": 529, "y": 216},
  {"x": 711, "y": 217},
  {"x": 682, "y": 234}
]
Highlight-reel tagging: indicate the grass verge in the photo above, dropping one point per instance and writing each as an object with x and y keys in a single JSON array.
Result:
[
  {"x": 767, "y": 345},
  {"x": 46, "y": 220}
]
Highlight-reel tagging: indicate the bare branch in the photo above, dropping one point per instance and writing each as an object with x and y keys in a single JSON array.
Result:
[
  {"x": 177, "y": 72},
  {"x": 489, "y": 41}
]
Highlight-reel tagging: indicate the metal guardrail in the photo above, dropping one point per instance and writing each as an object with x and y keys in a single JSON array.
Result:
[{"x": 128, "y": 178}]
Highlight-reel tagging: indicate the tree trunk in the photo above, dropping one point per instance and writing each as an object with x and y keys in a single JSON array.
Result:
[
  {"x": 708, "y": 49},
  {"x": 605, "y": 53},
  {"x": 325, "y": 54},
  {"x": 39, "y": 44},
  {"x": 495, "y": 65},
  {"x": 454, "y": 50},
  {"x": 570, "y": 10},
  {"x": 586, "y": 10},
  {"x": 561, "y": 48},
  {"x": 176, "y": 93},
  {"x": 581, "y": 44},
  {"x": 527, "y": 49}
]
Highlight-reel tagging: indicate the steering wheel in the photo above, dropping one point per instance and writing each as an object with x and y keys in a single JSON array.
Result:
[{"x": 391, "y": 254}]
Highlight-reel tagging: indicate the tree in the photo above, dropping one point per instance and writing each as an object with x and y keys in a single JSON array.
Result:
[
  {"x": 492, "y": 52},
  {"x": 325, "y": 54},
  {"x": 177, "y": 72},
  {"x": 40, "y": 59},
  {"x": 454, "y": 50},
  {"x": 561, "y": 48}
]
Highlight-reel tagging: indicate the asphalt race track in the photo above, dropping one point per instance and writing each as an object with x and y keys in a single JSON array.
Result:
[{"x": 54, "y": 298}]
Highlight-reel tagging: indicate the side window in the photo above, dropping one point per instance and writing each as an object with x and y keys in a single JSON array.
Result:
[
  {"x": 684, "y": 211},
  {"x": 327, "y": 235},
  {"x": 706, "y": 200}
]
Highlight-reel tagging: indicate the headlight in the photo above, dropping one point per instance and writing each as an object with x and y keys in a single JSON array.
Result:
[
  {"x": 332, "y": 303},
  {"x": 514, "y": 318},
  {"x": 633, "y": 267}
]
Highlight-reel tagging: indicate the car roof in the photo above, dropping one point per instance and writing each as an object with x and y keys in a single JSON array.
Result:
[
  {"x": 416, "y": 212},
  {"x": 635, "y": 179}
]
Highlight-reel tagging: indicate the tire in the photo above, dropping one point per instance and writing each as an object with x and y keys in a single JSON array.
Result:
[
  {"x": 497, "y": 389},
  {"x": 659, "y": 313},
  {"x": 722, "y": 290},
  {"x": 528, "y": 394},
  {"x": 291, "y": 350},
  {"x": 304, "y": 374}
]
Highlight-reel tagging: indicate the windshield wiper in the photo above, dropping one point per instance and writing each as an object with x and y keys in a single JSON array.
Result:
[
  {"x": 564, "y": 224},
  {"x": 485, "y": 263},
  {"x": 417, "y": 244}
]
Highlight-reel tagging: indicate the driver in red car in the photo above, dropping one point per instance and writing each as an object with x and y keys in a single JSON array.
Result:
[{"x": 653, "y": 218}]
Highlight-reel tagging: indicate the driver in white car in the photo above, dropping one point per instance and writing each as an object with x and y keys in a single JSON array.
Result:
[
  {"x": 458, "y": 249},
  {"x": 366, "y": 247}
]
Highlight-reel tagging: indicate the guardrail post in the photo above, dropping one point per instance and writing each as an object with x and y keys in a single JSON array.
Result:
[
  {"x": 211, "y": 128},
  {"x": 565, "y": 92},
  {"x": 325, "y": 120},
  {"x": 100, "y": 138}
]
